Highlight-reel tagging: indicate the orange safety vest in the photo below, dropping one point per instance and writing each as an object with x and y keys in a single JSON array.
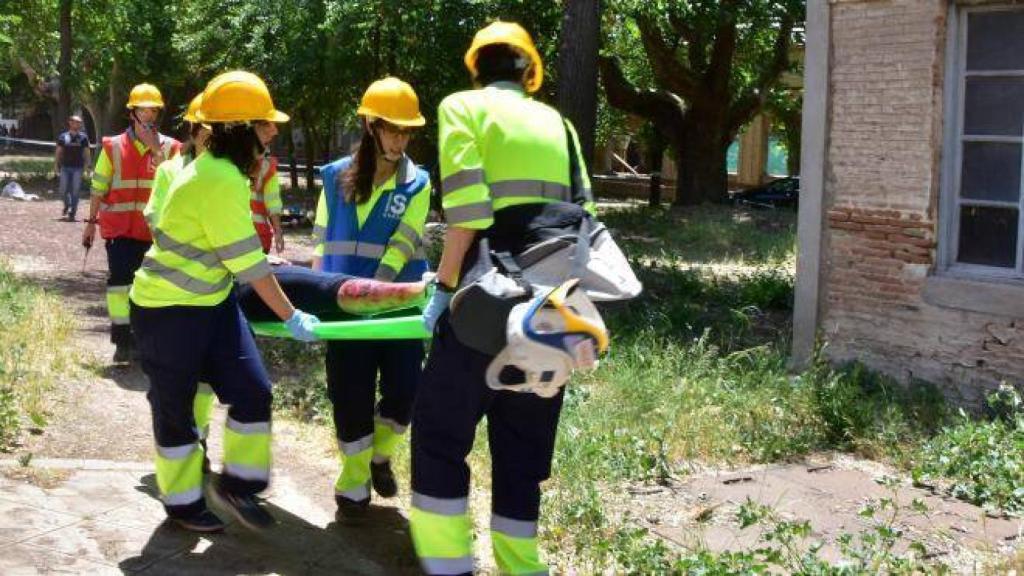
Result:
[
  {"x": 132, "y": 179},
  {"x": 258, "y": 201}
]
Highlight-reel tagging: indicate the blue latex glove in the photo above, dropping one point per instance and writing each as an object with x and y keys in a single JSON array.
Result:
[
  {"x": 437, "y": 304},
  {"x": 301, "y": 326}
]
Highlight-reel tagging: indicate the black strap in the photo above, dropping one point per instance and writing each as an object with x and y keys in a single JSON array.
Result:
[
  {"x": 579, "y": 194},
  {"x": 582, "y": 253}
]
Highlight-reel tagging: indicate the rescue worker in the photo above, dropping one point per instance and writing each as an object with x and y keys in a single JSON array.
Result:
[
  {"x": 121, "y": 184},
  {"x": 266, "y": 205},
  {"x": 370, "y": 219},
  {"x": 196, "y": 145},
  {"x": 189, "y": 326},
  {"x": 500, "y": 152}
]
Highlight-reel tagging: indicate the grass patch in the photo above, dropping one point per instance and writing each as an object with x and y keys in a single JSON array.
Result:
[
  {"x": 34, "y": 353},
  {"x": 709, "y": 235},
  {"x": 27, "y": 167},
  {"x": 982, "y": 461}
]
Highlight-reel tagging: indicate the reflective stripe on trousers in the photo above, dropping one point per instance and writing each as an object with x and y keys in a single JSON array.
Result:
[
  {"x": 179, "y": 474},
  {"x": 247, "y": 450},
  {"x": 442, "y": 534},
  {"x": 118, "y": 306},
  {"x": 354, "y": 480},
  {"x": 515, "y": 546},
  {"x": 202, "y": 409}
]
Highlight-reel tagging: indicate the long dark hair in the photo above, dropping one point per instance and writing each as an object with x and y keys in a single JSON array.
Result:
[
  {"x": 358, "y": 179},
  {"x": 236, "y": 142},
  {"x": 193, "y": 131}
]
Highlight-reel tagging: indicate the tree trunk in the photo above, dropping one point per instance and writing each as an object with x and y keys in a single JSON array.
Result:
[
  {"x": 98, "y": 117},
  {"x": 64, "y": 65},
  {"x": 310, "y": 136},
  {"x": 114, "y": 119},
  {"x": 293, "y": 171},
  {"x": 701, "y": 150},
  {"x": 577, "y": 69},
  {"x": 655, "y": 154}
]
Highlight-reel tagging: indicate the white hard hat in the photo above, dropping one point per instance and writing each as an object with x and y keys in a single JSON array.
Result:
[{"x": 548, "y": 337}]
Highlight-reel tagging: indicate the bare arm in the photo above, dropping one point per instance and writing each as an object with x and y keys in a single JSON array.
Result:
[
  {"x": 318, "y": 264},
  {"x": 456, "y": 242},
  {"x": 89, "y": 234},
  {"x": 270, "y": 291}
]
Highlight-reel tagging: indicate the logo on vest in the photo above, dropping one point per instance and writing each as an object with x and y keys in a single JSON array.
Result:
[{"x": 396, "y": 206}]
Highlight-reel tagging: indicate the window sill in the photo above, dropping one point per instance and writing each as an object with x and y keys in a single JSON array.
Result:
[{"x": 992, "y": 297}]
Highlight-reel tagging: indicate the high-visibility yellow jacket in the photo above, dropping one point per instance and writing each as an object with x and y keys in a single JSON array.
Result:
[
  {"x": 500, "y": 148},
  {"x": 203, "y": 239}
]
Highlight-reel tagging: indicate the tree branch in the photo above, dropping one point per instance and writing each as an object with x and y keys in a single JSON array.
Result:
[
  {"x": 661, "y": 107},
  {"x": 751, "y": 102},
  {"x": 668, "y": 71},
  {"x": 723, "y": 50}
]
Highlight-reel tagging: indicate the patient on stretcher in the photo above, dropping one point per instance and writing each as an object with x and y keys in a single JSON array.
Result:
[{"x": 333, "y": 296}]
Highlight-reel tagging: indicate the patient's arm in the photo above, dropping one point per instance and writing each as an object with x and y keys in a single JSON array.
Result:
[{"x": 332, "y": 296}]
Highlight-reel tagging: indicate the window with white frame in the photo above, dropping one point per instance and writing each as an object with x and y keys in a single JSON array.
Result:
[{"x": 984, "y": 200}]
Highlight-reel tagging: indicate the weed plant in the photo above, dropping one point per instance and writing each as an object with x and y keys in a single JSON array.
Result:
[
  {"x": 34, "y": 345},
  {"x": 982, "y": 460}
]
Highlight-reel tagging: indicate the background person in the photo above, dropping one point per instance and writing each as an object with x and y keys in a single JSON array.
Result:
[
  {"x": 72, "y": 156},
  {"x": 121, "y": 185}
]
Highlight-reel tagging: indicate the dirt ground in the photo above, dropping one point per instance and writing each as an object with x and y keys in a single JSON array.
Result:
[{"x": 102, "y": 412}]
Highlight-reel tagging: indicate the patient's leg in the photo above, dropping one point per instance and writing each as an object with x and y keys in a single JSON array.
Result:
[{"x": 333, "y": 296}]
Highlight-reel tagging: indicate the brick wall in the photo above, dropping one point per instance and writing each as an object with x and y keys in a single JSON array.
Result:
[{"x": 881, "y": 192}]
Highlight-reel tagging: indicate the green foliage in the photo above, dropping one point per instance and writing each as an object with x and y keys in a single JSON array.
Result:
[
  {"x": 27, "y": 167},
  {"x": 33, "y": 352},
  {"x": 784, "y": 546},
  {"x": 300, "y": 383},
  {"x": 983, "y": 459}
]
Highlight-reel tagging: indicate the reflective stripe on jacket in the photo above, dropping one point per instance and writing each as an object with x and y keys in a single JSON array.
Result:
[
  {"x": 390, "y": 228},
  {"x": 130, "y": 182}
]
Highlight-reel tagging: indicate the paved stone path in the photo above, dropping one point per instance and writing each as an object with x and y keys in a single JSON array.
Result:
[{"x": 101, "y": 517}]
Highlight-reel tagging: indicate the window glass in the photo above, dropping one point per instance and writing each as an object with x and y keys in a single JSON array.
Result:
[
  {"x": 991, "y": 171},
  {"x": 988, "y": 236}
]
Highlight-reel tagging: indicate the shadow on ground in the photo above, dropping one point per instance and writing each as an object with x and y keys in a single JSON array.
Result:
[{"x": 378, "y": 544}]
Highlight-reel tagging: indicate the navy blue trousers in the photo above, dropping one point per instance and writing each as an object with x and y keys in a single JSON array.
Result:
[
  {"x": 124, "y": 257},
  {"x": 352, "y": 369},
  {"x": 452, "y": 398},
  {"x": 183, "y": 345}
]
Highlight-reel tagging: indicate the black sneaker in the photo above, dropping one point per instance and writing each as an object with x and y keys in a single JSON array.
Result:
[
  {"x": 204, "y": 521},
  {"x": 246, "y": 509},
  {"x": 383, "y": 479},
  {"x": 351, "y": 510},
  {"x": 123, "y": 354}
]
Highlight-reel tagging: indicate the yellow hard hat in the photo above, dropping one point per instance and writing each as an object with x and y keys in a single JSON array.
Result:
[
  {"x": 238, "y": 96},
  {"x": 145, "y": 96},
  {"x": 515, "y": 36},
  {"x": 393, "y": 100},
  {"x": 193, "y": 109}
]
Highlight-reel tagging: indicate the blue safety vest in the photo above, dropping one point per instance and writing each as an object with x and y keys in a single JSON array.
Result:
[{"x": 353, "y": 250}]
